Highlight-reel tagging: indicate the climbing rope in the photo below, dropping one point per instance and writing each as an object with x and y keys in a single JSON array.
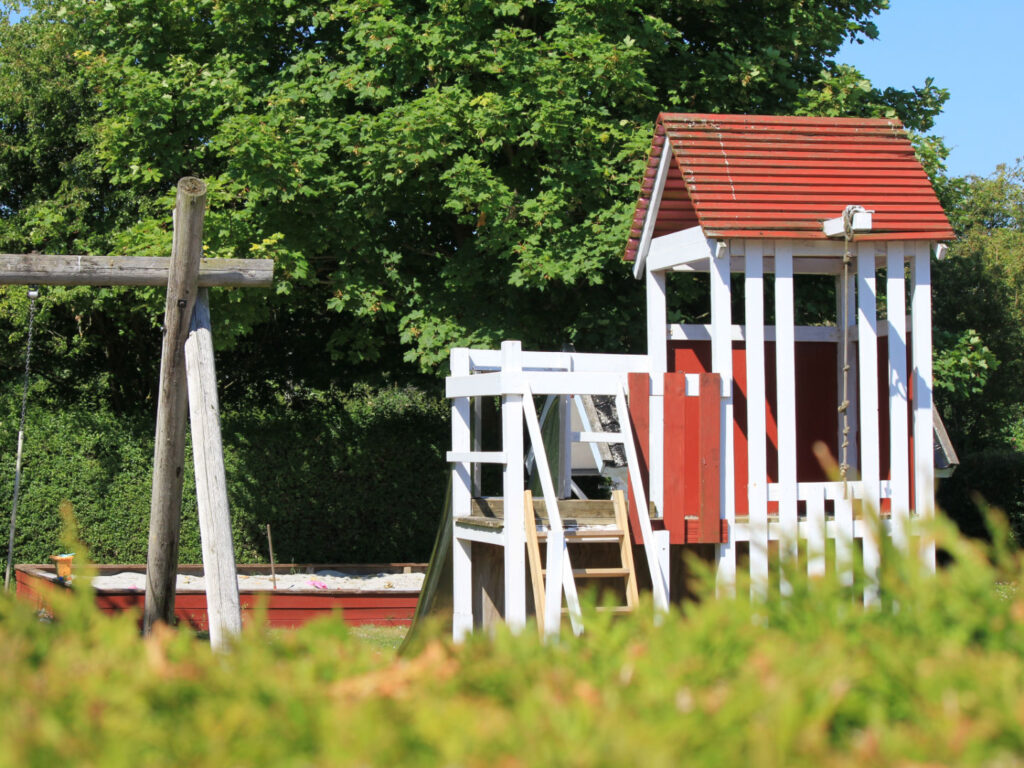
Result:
[
  {"x": 33, "y": 294},
  {"x": 844, "y": 405}
]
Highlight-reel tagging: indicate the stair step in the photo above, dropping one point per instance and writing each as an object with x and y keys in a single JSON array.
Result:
[
  {"x": 600, "y": 573},
  {"x": 595, "y": 573},
  {"x": 617, "y": 610}
]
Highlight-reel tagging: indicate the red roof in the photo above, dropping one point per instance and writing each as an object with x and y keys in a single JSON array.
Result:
[{"x": 781, "y": 177}]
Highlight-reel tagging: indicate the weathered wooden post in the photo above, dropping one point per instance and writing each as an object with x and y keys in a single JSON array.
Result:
[
  {"x": 183, "y": 274},
  {"x": 169, "y": 452},
  {"x": 222, "y": 602}
]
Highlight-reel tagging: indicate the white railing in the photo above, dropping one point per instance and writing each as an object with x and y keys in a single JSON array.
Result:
[{"x": 516, "y": 377}]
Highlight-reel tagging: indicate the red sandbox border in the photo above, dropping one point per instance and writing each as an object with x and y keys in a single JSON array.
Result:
[{"x": 283, "y": 609}]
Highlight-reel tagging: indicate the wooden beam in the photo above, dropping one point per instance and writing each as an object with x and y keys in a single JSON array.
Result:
[
  {"x": 222, "y": 601},
  {"x": 169, "y": 452},
  {"x": 43, "y": 269}
]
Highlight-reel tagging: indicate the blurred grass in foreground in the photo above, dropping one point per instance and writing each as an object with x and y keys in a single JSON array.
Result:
[{"x": 935, "y": 675}]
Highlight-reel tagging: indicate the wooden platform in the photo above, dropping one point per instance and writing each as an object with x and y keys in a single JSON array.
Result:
[{"x": 489, "y": 512}]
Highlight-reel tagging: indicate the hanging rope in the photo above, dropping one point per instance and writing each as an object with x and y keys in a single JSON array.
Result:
[
  {"x": 33, "y": 294},
  {"x": 844, "y": 406}
]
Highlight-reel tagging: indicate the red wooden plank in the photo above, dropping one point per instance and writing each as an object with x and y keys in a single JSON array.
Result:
[
  {"x": 679, "y": 435},
  {"x": 710, "y": 461}
]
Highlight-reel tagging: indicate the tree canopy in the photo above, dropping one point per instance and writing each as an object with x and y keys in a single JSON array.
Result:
[{"x": 425, "y": 174}]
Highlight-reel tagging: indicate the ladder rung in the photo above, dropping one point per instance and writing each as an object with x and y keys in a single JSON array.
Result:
[
  {"x": 600, "y": 573},
  {"x": 618, "y": 610},
  {"x": 595, "y": 573}
]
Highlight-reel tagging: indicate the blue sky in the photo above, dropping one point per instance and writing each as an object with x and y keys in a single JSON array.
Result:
[{"x": 973, "y": 49}]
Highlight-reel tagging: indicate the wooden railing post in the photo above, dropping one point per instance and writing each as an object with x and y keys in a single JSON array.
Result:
[{"x": 169, "y": 451}]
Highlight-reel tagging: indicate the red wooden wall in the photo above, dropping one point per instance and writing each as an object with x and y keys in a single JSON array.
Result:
[{"x": 688, "y": 442}]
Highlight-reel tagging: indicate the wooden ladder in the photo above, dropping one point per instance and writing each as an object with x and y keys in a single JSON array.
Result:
[{"x": 619, "y": 534}]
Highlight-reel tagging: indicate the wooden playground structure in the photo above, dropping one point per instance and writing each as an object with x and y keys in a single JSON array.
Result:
[
  {"x": 720, "y": 421},
  {"x": 188, "y": 386}
]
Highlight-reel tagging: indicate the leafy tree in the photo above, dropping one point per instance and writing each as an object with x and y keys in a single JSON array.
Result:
[
  {"x": 425, "y": 173},
  {"x": 979, "y": 313}
]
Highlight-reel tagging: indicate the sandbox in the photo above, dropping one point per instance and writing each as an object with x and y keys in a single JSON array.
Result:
[{"x": 364, "y": 593}]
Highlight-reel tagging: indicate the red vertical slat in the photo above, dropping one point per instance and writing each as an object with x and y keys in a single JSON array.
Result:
[
  {"x": 710, "y": 463},
  {"x": 680, "y": 434}
]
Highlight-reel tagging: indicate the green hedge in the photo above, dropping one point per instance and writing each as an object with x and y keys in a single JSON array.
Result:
[
  {"x": 933, "y": 676},
  {"x": 995, "y": 477},
  {"x": 340, "y": 477}
]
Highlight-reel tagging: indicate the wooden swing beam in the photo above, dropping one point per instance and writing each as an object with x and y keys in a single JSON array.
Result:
[
  {"x": 43, "y": 269},
  {"x": 187, "y": 381}
]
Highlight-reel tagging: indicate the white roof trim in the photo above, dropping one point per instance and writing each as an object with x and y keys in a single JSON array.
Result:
[
  {"x": 686, "y": 246},
  {"x": 652, "y": 210}
]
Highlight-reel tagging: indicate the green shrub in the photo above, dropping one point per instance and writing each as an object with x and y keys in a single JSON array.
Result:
[
  {"x": 935, "y": 676},
  {"x": 994, "y": 476},
  {"x": 341, "y": 477}
]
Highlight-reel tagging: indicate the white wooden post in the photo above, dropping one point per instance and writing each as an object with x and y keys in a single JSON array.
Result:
[
  {"x": 844, "y": 538},
  {"x": 462, "y": 560},
  {"x": 513, "y": 486},
  {"x": 924, "y": 461},
  {"x": 785, "y": 372},
  {"x": 222, "y": 602},
  {"x": 867, "y": 348},
  {"x": 721, "y": 363},
  {"x": 757, "y": 434},
  {"x": 657, "y": 355},
  {"x": 816, "y": 532},
  {"x": 559, "y": 565},
  {"x": 899, "y": 439}
]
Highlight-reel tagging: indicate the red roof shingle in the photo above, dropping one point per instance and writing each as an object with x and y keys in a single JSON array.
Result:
[{"x": 781, "y": 177}]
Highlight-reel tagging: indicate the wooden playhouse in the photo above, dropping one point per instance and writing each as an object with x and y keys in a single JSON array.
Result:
[{"x": 723, "y": 424}]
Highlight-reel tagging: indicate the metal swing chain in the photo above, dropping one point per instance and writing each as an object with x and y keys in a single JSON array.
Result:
[
  {"x": 33, "y": 294},
  {"x": 844, "y": 464}
]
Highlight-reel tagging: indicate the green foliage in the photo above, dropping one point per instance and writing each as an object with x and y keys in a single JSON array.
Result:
[
  {"x": 425, "y": 174},
  {"x": 979, "y": 365},
  {"x": 979, "y": 313},
  {"x": 934, "y": 676},
  {"x": 989, "y": 476},
  {"x": 962, "y": 365},
  {"x": 346, "y": 477}
]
